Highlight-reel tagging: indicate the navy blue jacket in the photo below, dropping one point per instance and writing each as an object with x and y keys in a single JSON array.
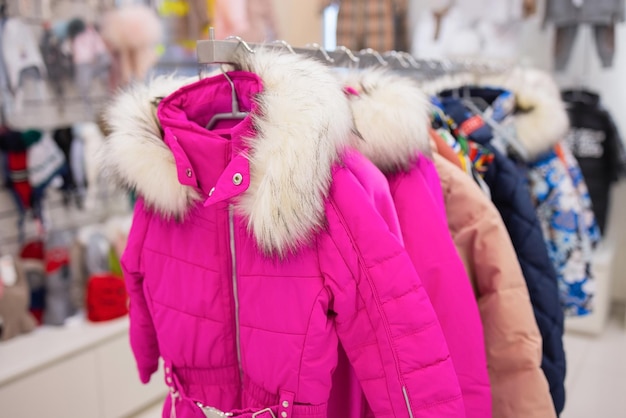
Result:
[{"x": 510, "y": 195}]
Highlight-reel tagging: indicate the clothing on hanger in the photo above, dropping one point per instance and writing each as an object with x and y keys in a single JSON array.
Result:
[
  {"x": 392, "y": 116},
  {"x": 565, "y": 39},
  {"x": 4, "y": 75},
  {"x": 474, "y": 158},
  {"x": 92, "y": 61},
  {"x": 20, "y": 52},
  {"x": 597, "y": 145},
  {"x": 400, "y": 132},
  {"x": 58, "y": 61},
  {"x": 559, "y": 206},
  {"x": 564, "y": 12},
  {"x": 292, "y": 246},
  {"x": 511, "y": 197},
  {"x": 567, "y": 16},
  {"x": 518, "y": 384}
]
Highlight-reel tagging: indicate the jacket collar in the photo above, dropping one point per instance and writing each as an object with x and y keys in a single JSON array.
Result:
[
  {"x": 202, "y": 156},
  {"x": 581, "y": 97},
  {"x": 391, "y": 114},
  {"x": 301, "y": 124}
]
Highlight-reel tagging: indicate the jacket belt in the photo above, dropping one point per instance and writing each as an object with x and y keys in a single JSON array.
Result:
[
  {"x": 284, "y": 409},
  {"x": 262, "y": 413}
]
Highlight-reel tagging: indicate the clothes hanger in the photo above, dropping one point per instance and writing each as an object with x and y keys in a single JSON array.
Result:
[
  {"x": 353, "y": 59},
  {"x": 395, "y": 55},
  {"x": 284, "y": 44},
  {"x": 317, "y": 47},
  {"x": 517, "y": 146},
  {"x": 235, "y": 113},
  {"x": 369, "y": 52}
]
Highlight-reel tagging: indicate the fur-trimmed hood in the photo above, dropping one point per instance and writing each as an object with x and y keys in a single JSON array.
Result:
[
  {"x": 391, "y": 115},
  {"x": 302, "y": 123},
  {"x": 541, "y": 120}
]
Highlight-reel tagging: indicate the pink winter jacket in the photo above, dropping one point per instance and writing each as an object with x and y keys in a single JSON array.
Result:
[
  {"x": 255, "y": 251},
  {"x": 393, "y": 123}
]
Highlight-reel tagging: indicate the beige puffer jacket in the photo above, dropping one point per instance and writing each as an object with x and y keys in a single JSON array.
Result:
[{"x": 512, "y": 339}]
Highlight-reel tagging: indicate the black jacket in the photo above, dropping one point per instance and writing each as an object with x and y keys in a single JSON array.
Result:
[{"x": 596, "y": 144}]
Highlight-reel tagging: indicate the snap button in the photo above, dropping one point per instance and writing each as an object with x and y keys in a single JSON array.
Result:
[
  {"x": 189, "y": 173},
  {"x": 211, "y": 191},
  {"x": 283, "y": 414},
  {"x": 237, "y": 179},
  {"x": 168, "y": 380},
  {"x": 167, "y": 369},
  {"x": 285, "y": 404}
]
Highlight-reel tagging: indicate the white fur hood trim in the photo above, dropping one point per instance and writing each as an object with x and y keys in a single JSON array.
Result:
[
  {"x": 303, "y": 122},
  {"x": 391, "y": 115},
  {"x": 541, "y": 120}
]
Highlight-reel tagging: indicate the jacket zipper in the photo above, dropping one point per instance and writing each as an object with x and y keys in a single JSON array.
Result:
[
  {"x": 233, "y": 258},
  {"x": 408, "y": 402}
]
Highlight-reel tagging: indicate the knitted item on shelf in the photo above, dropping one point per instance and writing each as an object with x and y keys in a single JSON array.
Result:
[
  {"x": 58, "y": 280},
  {"x": 18, "y": 178},
  {"x": 14, "y": 302},
  {"x": 14, "y": 147},
  {"x": 106, "y": 298},
  {"x": 58, "y": 62},
  {"x": 32, "y": 259}
]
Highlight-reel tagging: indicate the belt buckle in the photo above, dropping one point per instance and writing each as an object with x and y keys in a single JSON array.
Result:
[
  {"x": 262, "y": 411},
  {"x": 210, "y": 412}
]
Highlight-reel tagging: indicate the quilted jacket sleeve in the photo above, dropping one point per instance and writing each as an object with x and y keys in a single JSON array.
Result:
[
  {"x": 143, "y": 339},
  {"x": 384, "y": 318},
  {"x": 512, "y": 338}
]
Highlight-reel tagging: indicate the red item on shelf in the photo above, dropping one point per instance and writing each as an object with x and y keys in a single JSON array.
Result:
[{"x": 106, "y": 298}]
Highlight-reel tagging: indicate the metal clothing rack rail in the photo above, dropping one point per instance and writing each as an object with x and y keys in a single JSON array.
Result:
[{"x": 226, "y": 51}]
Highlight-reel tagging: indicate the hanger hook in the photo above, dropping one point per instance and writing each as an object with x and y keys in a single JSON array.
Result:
[
  {"x": 349, "y": 53},
  {"x": 376, "y": 54},
  {"x": 242, "y": 42},
  {"x": 448, "y": 66},
  {"x": 284, "y": 44},
  {"x": 324, "y": 53},
  {"x": 412, "y": 61},
  {"x": 398, "y": 57}
]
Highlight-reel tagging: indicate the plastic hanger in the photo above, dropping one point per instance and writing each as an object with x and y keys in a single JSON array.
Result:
[
  {"x": 517, "y": 146},
  {"x": 235, "y": 113}
]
